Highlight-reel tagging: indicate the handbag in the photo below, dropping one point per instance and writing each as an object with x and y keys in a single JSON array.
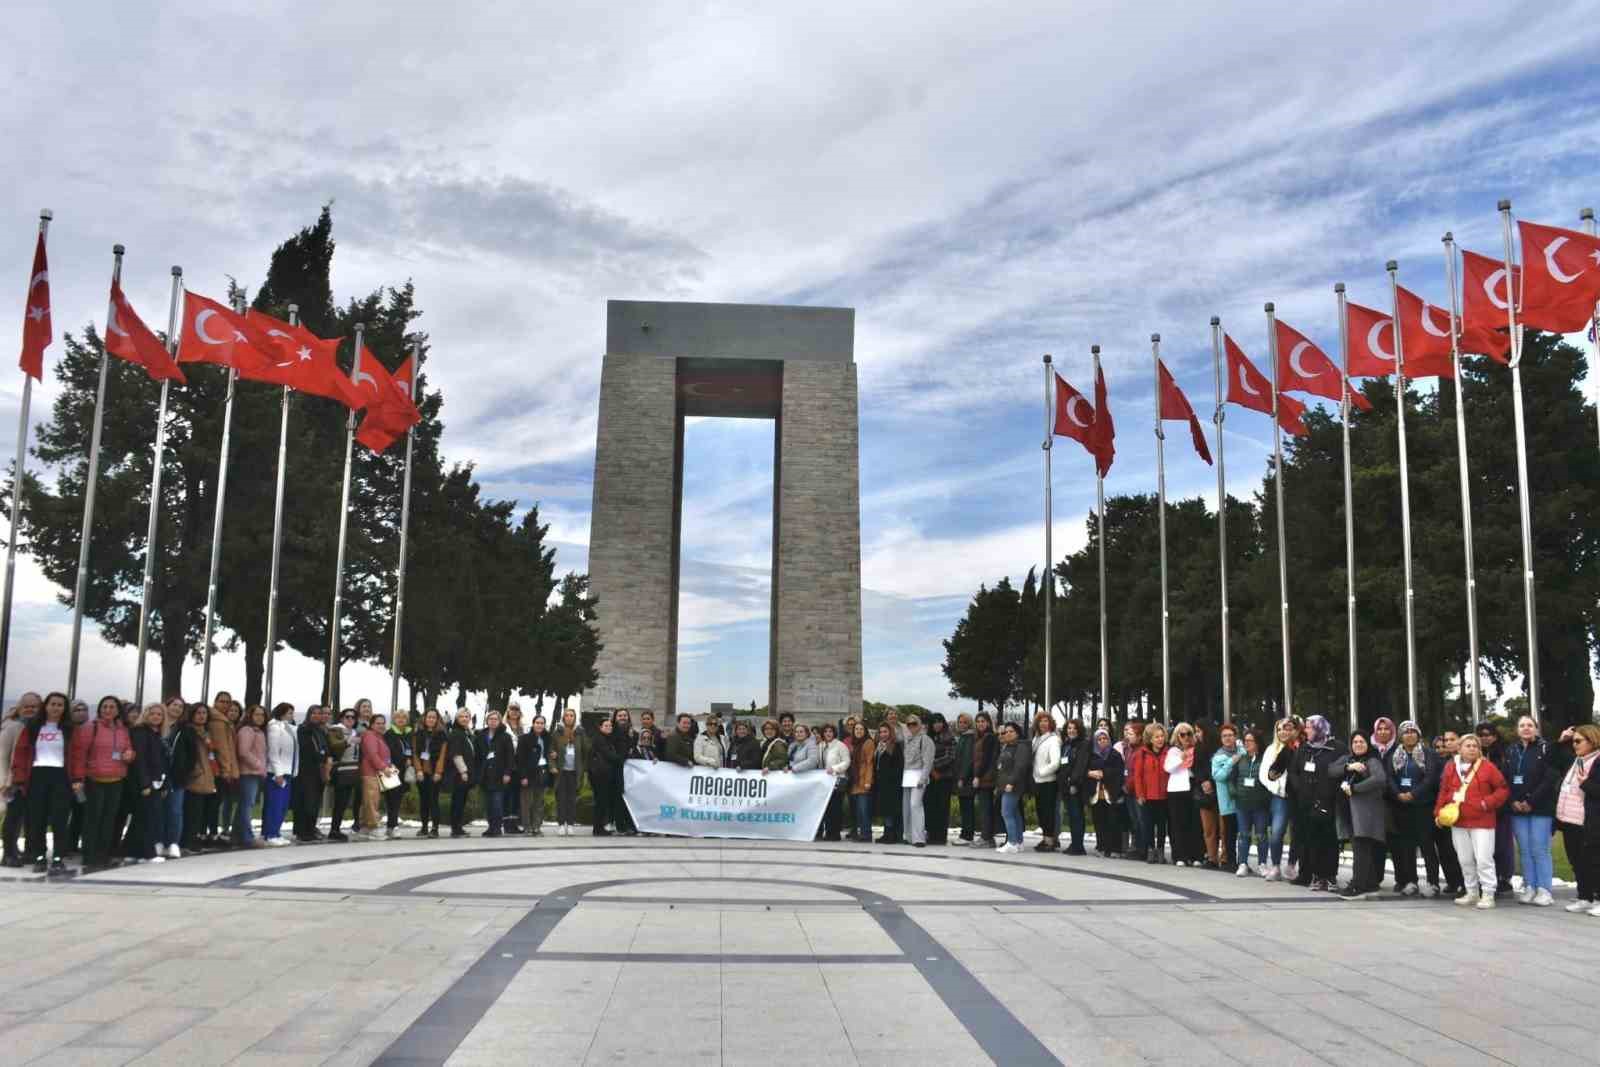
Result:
[
  {"x": 388, "y": 779},
  {"x": 1450, "y": 814}
]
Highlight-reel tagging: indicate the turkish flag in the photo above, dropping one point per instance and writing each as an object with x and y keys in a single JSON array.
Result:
[
  {"x": 1174, "y": 407},
  {"x": 1483, "y": 305},
  {"x": 304, "y": 362},
  {"x": 1249, "y": 388},
  {"x": 1074, "y": 415},
  {"x": 127, "y": 337},
  {"x": 214, "y": 334},
  {"x": 1103, "y": 434},
  {"x": 1371, "y": 342},
  {"x": 1425, "y": 332},
  {"x": 1305, "y": 368},
  {"x": 36, "y": 335},
  {"x": 389, "y": 418},
  {"x": 1560, "y": 277}
]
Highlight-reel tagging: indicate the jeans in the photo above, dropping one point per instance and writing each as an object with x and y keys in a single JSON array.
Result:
[
  {"x": 1475, "y": 850},
  {"x": 274, "y": 807},
  {"x": 494, "y": 807},
  {"x": 1279, "y": 825},
  {"x": 861, "y": 804},
  {"x": 1252, "y": 822},
  {"x": 172, "y": 827},
  {"x": 1134, "y": 822},
  {"x": 1533, "y": 845},
  {"x": 912, "y": 817},
  {"x": 249, "y": 789},
  {"x": 1072, "y": 812},
  {"x": 1153, "y": 828},
  {"x": 1011, "y": 812}
]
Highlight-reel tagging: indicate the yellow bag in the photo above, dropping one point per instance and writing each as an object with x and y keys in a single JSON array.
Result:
[{"x": 1449, "y": 814}]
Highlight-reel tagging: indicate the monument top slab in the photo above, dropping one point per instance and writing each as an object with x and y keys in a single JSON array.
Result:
[{"x": 672, "y": 329}]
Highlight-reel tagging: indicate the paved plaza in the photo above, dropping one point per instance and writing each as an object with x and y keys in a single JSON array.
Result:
[{"x": 574, "y": 950}]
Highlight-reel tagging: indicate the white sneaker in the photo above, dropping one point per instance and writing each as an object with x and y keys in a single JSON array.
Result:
[
  {"x": 1580, "y": 905},
  {"x": 1469, "y": 898},
  {"x": 158, "y": 859},
  {"x": 1243, "y": 871},
  {"x": 1271, "y": 874},
  {"x": 391, "y": 835},
  {"x": 1429, "y": 892},
  {"x": 1291, "y": 871},
  {"x": 174, "y": 852},
  {"x": 1542, "y": 898},
  {"x": 1486, "y": 901},
  {"x": 1595, "y": 911},
  {"x": 1525, "y": 895},
  {"x": 1012, "y": 850},
  {"x": 1001, "y": 847}
]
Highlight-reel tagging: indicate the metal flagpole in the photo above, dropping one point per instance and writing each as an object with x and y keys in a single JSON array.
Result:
[
  {"x": 155, "y": 493},
  {"x": 216, "y": 526},
  {"x": 1222, "y": 518},
  {"x": 16, "y": 492},
  {"x": 1525, "y": 506},
  {"x": 405, "y": 527},
  {"x": 1405, "y": 491},
  {"x": 1349, "y": 509},
  {"x": 81, "y": 590},
  {"x": 1100, "y": 526},
  {"x": 1277, "y": 482},
  {"x": 1466, "y": 482},
  {"x": 1049, "y": 559},
  {"x": 1587, "y": 217},
  {"x": 277, "y": 533},
  {"x": 1161, "y": 513},
  {"x": 344, "y": 526}
]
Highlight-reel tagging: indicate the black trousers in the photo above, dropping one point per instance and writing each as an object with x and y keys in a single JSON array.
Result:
[
  {"x": 619, "y": 810},
  {"x": 1583, "y": 852},
  {"x": 936, "y": 811},
  {"x": 194, "y": 807},
  {"x": 141, "y": 839},
  {"x": 123, "y": 842},
  {"x": 968, "y": 812},
  {"x": 833, "y": 816},
  {"x": 428, "y": 801},
  {"x": 1321, "y": 854},
  {"x": 988, "y": 813},
  {"x": 346, "y": 796},
  {"x": 1504, "y": 848},
  {"x": 1046, "y": 809},
  {"x": 458, "y": 805},
  {"x": 889, "y": 807},
  {"x": 1230, "y": 838},
  {"x": 1184, "y": 822},
  {"x": 49, "y": 803},
  {"x": 1445, "y": 847},
  {"x": 74, "y": 841},
  {"x": 1413, "y": 833},
  {"x": 603, "y": 805},
  {"x": 1107, "y": 827},
  {"x": 307, "y": 802},
  {"x": 391, "y": 805},
  {"x": 100, "y": 804},
  {"x": 1365, "y": 872}
]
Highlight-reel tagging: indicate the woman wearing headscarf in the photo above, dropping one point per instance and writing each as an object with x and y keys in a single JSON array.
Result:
[
  {"x": 1362, "y": 781},
  {"x": 1316, "y": 795},
  {"x": 1528, "y": 765},
  {"x": 862, "y": 765},
  {"x": 1073, "y": 783},
  {"x": 1275, "y": 762},
  {"x": 1104, "y": 786},
  {"x": 1188, "y": 847},
  {"x": 1413, "y": 769},
  {"x": 1578, "y": 812},
  {"x": 887, "y": 772},
  {"x": 1384, "y": 740},
  {"x": 1474, "y": 788}
]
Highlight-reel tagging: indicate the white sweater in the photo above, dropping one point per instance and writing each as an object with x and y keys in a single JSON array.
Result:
[
  {"x": 836, "y": 757},
  {"x": 1046, "y": 757},
  {"x": 1177, "y": 773},
  {"x": 283, "y": 749}
]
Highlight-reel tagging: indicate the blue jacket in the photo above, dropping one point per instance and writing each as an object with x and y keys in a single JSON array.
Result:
[{"x": 1222, "y": 768}]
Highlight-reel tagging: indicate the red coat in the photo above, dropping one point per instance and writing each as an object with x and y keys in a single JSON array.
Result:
[
  {"x": 374, "y": 754},
  {"x": 100, "y": 747},
  {"x": 1486, "y": 794},
  {"x": 1146, "y": 776},
  {"x": 22, "y": 758}
]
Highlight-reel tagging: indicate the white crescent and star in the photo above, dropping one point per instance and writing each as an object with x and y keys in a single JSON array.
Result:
[
  {"x": 42, "y": 278},
  {"x": 1550, "y": 251},
  {"x": 361, "y": 376},
  {"x": 1244, "y": 382},
  {"x": 1294, "y": 361},
  {"x": 1491, "y": 283},
  {"x": 200, "y": 321},
  {"x": 1372, "y": 340},
  {"x": 1072, "y": 402},
  {"x": 1427, "y": 321},
  {"x": 114, "y": 326},
  {"x": 38, "y": 314}
]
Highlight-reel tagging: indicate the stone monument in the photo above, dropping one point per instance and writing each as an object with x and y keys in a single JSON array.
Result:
[{"x": 794, "y": 365}]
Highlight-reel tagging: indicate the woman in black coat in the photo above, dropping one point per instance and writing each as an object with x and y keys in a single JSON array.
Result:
[
  {"x": 499, "y": 758},
  {"x": 889, "y": 764},
  {"x": 1073, "y": 783},
  {"x": 460, "y": 769},
  {"x": 1104, "y": 793},
  {"x": 605, "y": 776}
]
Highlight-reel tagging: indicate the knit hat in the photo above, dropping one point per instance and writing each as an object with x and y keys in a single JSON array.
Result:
[{"x": 1411, "y": 727}]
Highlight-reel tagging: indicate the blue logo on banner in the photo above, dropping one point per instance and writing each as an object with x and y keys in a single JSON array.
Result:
[{"x": 669, "y": 811}]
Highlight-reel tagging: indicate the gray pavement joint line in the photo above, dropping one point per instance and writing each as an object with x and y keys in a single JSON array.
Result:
[{"x": 1194, "y": 895}]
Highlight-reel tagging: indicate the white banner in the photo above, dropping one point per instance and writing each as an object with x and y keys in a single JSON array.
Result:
[{"x": 665, "y": 798}]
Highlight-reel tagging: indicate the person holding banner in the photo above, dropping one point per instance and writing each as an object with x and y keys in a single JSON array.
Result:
[
  {"x": 887, "y": 772},
  {"x": 747, "y": 751},
  {"x": 710, "y": 750},
  {"x": 917, "y": 759},
  {"x": 863, "y": 765},
  {"x": 774, "y": 749},
  {"x": 835, "y": 757},
  {"x": 803, "y": 755},
  {"x": 679, "y": 748}
]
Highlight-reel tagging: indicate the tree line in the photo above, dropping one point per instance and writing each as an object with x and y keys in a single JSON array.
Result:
[
  {"x": 485, "y": 610},
  {"x": 995, "y": 655}
]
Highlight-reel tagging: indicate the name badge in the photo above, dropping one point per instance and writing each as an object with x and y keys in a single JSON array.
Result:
[
  {"x": 426, "y": 754},
  {"x": 1405, "y": 783},
  {"x": 1516, "y": 780},
  {"x": 1310, "y": 767},
  {"x": 1249, "y": 783}
]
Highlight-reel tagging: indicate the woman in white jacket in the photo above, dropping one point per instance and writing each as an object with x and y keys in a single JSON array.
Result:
[
  {"x": 1183, "y": 817},
  {"x": 834, "y": 755},
  {"x": 1275, "y": 780},
  {"x": 1046, "y": 765},
  {"x": 283, "y": 763},
  {"x": 709, "y": 750}
]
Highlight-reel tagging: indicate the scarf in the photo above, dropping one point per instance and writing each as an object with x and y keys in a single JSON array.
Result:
[
  {"x": 1102, "y": 742},
  {"x": 1416, "y": 755},
  {"x": 1320, "y": 731},
  {"x": 1377, "y": 746}
]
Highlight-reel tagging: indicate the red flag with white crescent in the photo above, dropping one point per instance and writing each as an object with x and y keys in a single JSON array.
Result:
[
  {"x": 1560, "y": 277},
  {"x": 304, "y": 362},
  {"x": 1174, "y": 407},
  {"x": 36, "y": 335},
  {"x": 1425, "y": 331},
  {"x": 214, "y": 333},
  {"x": 1103, "y": 434},
  {"x": 127, "y": 337},
  {"x": 1305, "y": 368},
  {"x": 389, "y": 419},
  {"x": 1483, "y": 305},
  {"x": 1249, "y": 388},
  {"x": 1074, "y": 414},
  {"x": 1371, "y": 342}
]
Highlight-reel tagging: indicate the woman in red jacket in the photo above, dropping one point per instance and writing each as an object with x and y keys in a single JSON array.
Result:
[
  {"x": 1149, "y": 781},
  {"x": 104, "y": 749},
  {"x": 48, "y": 769},
  {"x": 1479, "y": 789}
]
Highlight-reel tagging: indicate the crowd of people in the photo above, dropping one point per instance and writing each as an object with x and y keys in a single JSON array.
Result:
[{"x": 118, "y": 784}]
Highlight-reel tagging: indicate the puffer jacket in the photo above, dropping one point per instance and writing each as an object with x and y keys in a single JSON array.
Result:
[
  {"x": 103, "y": 748},
  {"x": 1046, "y": 756},
  {"x": 803, "y": 755},
  {"x": 250, "y": 748},
  {"x": 1530, "y": 773},
  {"x": 835, "y": 756},
  {"x": 1222, "y": 768},
  {"x": 1147, "y": 774},
  {"x": 1487, "y": 793},
  {"x": 283, "y": 749},
  {"x": 709, "y": 751}
]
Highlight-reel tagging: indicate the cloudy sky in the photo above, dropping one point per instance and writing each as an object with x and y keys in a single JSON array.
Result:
[{"x": 982, "y": 184}]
